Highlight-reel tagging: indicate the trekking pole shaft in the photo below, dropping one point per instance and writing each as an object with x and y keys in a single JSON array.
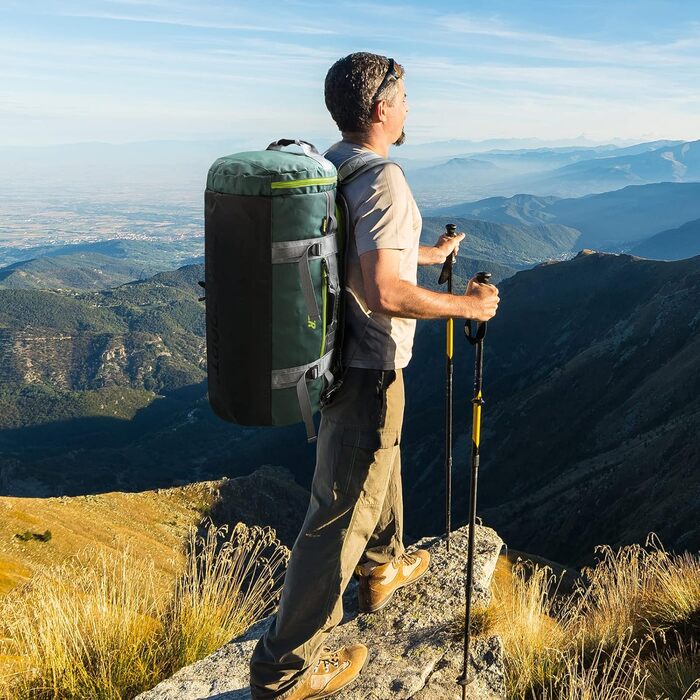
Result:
[
  {"x": 477, "y": 403},
  {"x": 448, "y": 429},
  {"x": 446, "y": 275}
]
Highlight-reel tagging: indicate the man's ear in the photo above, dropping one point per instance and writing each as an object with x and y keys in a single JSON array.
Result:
[{"x": 379, "y": 111}]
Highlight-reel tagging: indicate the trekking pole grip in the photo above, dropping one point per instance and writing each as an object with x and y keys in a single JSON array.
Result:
[
  {"x": 478, "y": 336},
  {"x": 446, "y": 272}
]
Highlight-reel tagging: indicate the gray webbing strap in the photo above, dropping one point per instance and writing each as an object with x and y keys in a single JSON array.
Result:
[
  {"x": 291, "y": 251},
  {"x": 298, "y": 376},
  {"x": 301, "y": 252},
  {"x": 289, "y": 376},
  {"x": 330, "y": 212},
  {"x": 332, "y": 230},
  {"x": 308, "y": 149},
  {"x": 362, "y": 162},
  {"x": 307, "y": 286},
  {"x": 305, "y": 407}
]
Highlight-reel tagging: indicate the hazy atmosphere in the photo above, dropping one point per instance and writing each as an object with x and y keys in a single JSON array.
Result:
[{"x": 81, "y": 70}]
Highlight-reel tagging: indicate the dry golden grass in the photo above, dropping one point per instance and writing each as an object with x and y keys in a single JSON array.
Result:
[
  {"x": 674, "y": 674},
  {"x": 628, "y": 631},
  {"x": 153, "y": 523},
  {"x": 642, "y": 589},
  {"x": 614, "y": 675},
  {"x": 532, "y": 637},
  {"x": 101, "y": 627}
]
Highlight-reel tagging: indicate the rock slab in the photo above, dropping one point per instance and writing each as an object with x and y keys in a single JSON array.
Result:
[{"x": 415, "y": 642}]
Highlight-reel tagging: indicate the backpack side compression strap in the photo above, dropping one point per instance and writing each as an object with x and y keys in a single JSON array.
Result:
[{"x": 298, "y": 376}]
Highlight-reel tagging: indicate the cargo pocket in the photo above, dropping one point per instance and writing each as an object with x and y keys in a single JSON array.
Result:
[{"x": 365, "y": 464}]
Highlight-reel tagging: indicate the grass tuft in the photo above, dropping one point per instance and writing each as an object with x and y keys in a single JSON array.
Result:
[
  {"x": 628, "y": 631},
  {"x": 100, "y": 627}
]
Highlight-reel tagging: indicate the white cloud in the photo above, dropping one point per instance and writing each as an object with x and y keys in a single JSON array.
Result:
[{"x": 567, "y": 48}]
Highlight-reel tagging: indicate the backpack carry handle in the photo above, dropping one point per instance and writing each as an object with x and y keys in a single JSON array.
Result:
[{"x": 308, "y": 148}]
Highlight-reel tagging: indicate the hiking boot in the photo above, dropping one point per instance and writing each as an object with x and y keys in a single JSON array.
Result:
[
  {"x": 379, "y": 583},
  {"x": 331, "y": 673}
]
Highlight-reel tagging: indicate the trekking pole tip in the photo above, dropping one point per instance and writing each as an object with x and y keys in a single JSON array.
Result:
[{"x": 464, "y": 681}]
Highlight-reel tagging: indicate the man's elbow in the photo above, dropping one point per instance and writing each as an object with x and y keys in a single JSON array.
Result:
[{"x": 383, "y": 303}]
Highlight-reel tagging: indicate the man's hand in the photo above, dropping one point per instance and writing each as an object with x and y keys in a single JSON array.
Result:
[
  {"x": 447, "y": 245},
  {"x": 485, "y": 298}
]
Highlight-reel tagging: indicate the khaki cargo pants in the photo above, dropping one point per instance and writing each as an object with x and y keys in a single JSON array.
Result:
[{"x": 355, "y": 515}]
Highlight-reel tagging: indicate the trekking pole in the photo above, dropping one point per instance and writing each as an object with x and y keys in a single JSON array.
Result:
[
  {"x": 476, "y": 339},
  {"x": 446, "y": 276}
]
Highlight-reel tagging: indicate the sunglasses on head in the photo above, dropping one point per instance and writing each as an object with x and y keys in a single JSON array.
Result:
[{"x": 391, "y": 74}]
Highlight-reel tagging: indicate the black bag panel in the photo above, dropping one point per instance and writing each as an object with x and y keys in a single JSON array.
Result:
[{"x": 238, "y": 275}]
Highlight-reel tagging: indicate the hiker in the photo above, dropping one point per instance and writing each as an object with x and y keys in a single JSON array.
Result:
[{"x": 355, "y": 518}]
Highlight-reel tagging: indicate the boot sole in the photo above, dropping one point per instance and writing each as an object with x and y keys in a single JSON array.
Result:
[
  {"x": 386, "y": 602},
  {"x": 345, "y": 685}
]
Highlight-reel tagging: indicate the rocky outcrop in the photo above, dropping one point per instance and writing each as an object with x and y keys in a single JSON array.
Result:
[
  {"x": 415, "y": 643},
  {"x": 268, "y": 496}
]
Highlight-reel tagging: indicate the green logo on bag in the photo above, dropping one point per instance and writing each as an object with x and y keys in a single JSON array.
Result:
[{"x": 310, "y": 323}]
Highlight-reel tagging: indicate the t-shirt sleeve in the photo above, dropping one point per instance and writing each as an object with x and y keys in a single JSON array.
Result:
[{"x": 384, "y": 215}]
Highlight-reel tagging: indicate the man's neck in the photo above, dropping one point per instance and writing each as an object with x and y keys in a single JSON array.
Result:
[{"x": 368, "y": 141}]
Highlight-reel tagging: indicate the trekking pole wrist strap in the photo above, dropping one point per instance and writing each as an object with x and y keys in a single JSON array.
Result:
[{"x": 472, "y": 336}]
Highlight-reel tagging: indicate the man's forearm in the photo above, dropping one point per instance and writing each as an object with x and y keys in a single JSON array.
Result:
[
  {"x": 430, "y": 255},
  {"x": 409, "y": 301}
]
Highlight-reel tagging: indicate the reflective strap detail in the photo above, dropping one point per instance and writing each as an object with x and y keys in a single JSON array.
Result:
[
  {"x": 298, "y": 376},
  {"x": 330, "y": 336},
  {"x": 301, "y": 252},
  {"x": 309, "y": 182}
]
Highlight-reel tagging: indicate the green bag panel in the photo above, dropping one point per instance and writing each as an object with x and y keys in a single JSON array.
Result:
[
  {"x": 285, "y": 404},
  {"x": 296, "y": 216},
  {"x": 296, "y": 338},
  {"x": 270, "y": 173}
]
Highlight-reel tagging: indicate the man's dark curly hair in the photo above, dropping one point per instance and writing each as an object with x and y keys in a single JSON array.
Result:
[{"x": 350, "y": 86}]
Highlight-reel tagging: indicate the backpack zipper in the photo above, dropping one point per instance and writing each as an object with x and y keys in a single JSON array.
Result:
[{"x": 310, "y": 182}]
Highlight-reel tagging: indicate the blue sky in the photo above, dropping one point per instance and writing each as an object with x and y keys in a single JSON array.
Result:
[{"x": 124, "y": 70}]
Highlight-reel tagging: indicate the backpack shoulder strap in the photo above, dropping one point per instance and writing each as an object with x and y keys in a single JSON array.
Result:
[{"x": 359, "y": 164}]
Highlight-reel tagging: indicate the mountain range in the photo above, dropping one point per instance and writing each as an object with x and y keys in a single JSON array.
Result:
[
  {"x": 93, "y": 265},
  {"x": 106, "y": 390},
  {"x": 563, "y": 172},
  {"x": 516, "y": 246},
  {"x": 591, "y": 382},
  {"x": 608, "y": 221},
  {"x": 674, "y": 244}
]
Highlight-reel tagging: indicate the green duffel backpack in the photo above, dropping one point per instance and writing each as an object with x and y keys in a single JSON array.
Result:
[{"x": 273, "y": 253}]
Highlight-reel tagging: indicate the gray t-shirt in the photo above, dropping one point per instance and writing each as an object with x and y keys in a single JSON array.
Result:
[{"x": 384, "y": 215}]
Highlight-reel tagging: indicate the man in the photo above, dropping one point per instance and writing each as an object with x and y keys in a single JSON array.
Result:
[{"x": 354, "y": 521}]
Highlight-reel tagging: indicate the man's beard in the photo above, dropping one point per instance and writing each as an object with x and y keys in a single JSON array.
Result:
[{"x": 401, "y": 139}]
